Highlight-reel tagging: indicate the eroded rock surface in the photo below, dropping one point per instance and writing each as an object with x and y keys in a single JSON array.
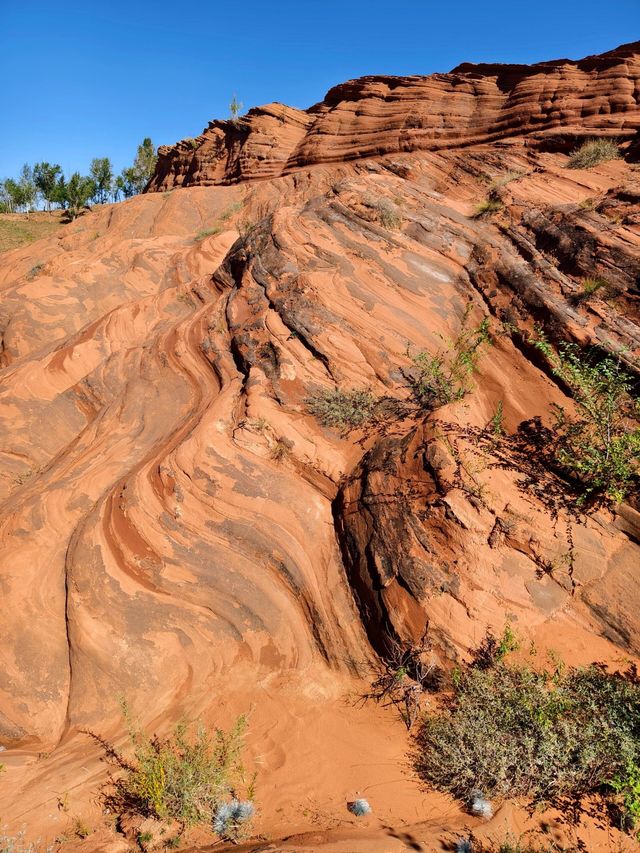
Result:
[{"x": 177, "y": 528}]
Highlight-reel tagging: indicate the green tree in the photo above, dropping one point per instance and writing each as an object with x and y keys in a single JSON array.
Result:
[
  {"x": 79, "y": 190},
  {"x": 45, "y": 177},
  {"x": 125, "y": 183},
  {"x": 59, "y": 194},
  {"x": 27, "y": 187},
  {"x": 102, "y": 175},
  {"x": 143, "y": 167}
]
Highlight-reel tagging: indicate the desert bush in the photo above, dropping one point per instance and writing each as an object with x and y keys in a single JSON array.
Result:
[
  {"x": 446, "y": 376},
  {"x": 592, "y": 152},
  {"x": 339, "y": 407},
  {"x": 600, "y": 448},
  {"x": 487, "y": 206},
  {"x": 511, "y": 731},
  {"x": 184, "y": 776}
]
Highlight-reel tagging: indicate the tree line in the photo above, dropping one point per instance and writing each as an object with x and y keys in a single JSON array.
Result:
[{"x": 45, "y": 182}]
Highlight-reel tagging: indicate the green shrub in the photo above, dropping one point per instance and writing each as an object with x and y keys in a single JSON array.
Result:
[
  {"x": 511, "y": 731},
  {"x": 446, "y": 376},
  {"x": 627, "y": 785},
  {"x": 185, "y": 775},
  {"x": 338, "y": 407},
  {"x": 600, "y": 447},
  {"x": 592, "y": 152}
]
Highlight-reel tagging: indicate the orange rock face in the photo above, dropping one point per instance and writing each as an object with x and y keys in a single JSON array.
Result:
[
  {"x": 179, "y": 530},
  {"x": 551, "y": 103}
]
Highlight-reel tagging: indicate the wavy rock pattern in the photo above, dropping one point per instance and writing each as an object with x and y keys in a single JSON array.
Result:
[
  {"x": 176, "y": 528},
  {"x": 551, "y": 103}
]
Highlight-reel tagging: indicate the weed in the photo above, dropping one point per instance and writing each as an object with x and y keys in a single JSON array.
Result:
[
  {"x": 388, "y": 214},
  {"x": 183, "y": 776},
  {"x": 600, "y": 448},
  {"x": 402, "y": 680},
  {"x": 81, "y": 829},
  {"x": 503, "y": 180},
  {"x": 493, "y": 650},
  {"x": 511, "y": 731},
  {"x": 281, "y": 449},
  {"x": 144, "y": 838},
  {"x": 230, "y": 211},
  {"x": 207, "y": 232},
  {"x": 191, "y": 142},
  {"x": 346, "y": 409},
  {"x": 496, "y": 424},
  {"x": 486, "y": 207},
  {"x": 446, "y": 376},
  {"x": 592, "y": 152},
  {"x": 592, "y": 285}
]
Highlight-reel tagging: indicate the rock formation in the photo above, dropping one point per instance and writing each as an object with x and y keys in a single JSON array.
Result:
[{"x": 178, "y": 529}]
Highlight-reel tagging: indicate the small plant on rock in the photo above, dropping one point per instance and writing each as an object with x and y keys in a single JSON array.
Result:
[
  {"x": 486, "y": 207},
  {"x": 342, "y": 408},
  {"x": 446, "y": 376},
  {"x": 600, "y": 447},
  {"x": 592, "y": 152}
]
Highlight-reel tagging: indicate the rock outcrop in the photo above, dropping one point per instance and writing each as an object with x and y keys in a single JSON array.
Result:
[{"x": 552, "y": 104}]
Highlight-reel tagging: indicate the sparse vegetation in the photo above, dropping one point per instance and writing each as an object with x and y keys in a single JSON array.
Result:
[
  {"x": 235, "y": 108},
  {"x": 493, "y": 650},
  {"x": 592, "y": 152},
  {"x": 342, "y": 408},
  {"x": 388, "y": 214},
  {"x": 511, "y": 731},
  {"x": 600, "y": 447},
  {"x": 35, "y": 271},
  {"x": 21, "y": 229},
  {"x": 486, "y": 207},
  {"x": 206, "y": 232},
  {"x": 592, "y": 285},
  {"x": 403, "y": 678},
  {"x": 281, "y": 449},
  {"x": 446, "y": 376},
  {"x": 184, "y": 776}
]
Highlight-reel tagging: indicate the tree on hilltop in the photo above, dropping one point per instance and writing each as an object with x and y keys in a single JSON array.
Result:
[
  {"x": 45, "y": 177},
  {"x": 79, "y": 190},
  {"x": 102, "y": 174}
]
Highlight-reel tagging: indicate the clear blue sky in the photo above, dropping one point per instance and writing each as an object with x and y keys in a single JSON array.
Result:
[{"x": 92, "y": 78}]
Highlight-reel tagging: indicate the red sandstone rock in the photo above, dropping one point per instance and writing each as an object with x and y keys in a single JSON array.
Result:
[
  {"x": 552, "y": 103},
  {"x": 176, "y": 528}
]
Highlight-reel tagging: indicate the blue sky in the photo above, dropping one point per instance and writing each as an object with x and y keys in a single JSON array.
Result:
[{"x": 88, "y": 79}]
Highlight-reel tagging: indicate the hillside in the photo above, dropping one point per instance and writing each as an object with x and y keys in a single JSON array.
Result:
[{"x": 178, "y": 528}]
